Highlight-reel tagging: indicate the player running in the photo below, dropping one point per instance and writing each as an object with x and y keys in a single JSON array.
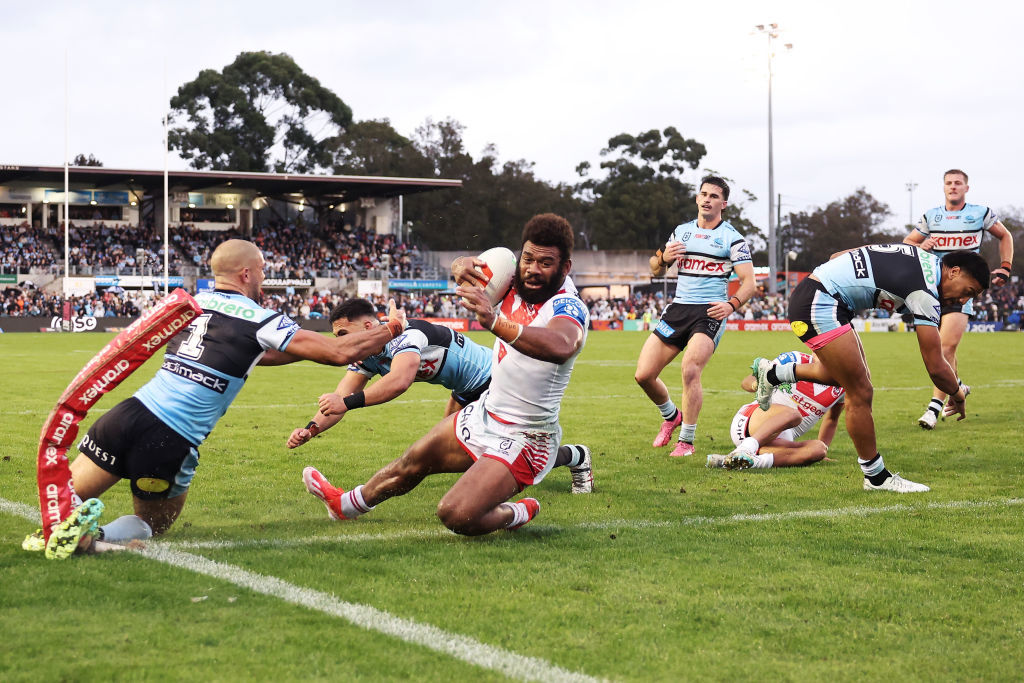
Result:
[
  {"x": 508, "y": 439},
  {"x": 153, "y": 438},
  {"x": 707, "y": 251},
  {"x": 767, "y": 439},
  {"x": 424, "y": 352},
  {"x": 954, "y": 227},
  {"x": 900, "y": 279}
]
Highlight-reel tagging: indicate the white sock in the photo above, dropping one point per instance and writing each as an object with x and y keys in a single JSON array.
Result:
[
  {"x": 749, "y": 446},
  {"x": 127, "y": 528},
  {"x": 786, "y": 372},
  {"x": 687, "y": 432},
  {"x": 575, "y": 455},
  {"x": 352, "y": 503},
  {"x": 764, "y": 461},
  {"x": 520, "y": 515},
  {"x": 667, "y": 409}
]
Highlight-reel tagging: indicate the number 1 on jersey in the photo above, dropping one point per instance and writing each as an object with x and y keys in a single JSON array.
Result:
[{"x": 193, "y": 346}]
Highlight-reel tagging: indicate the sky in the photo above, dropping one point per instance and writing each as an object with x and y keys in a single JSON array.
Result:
[{"x": 872, "y": 94}]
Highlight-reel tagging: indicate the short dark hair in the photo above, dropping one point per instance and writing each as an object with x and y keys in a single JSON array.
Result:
[
  {"x": 971, "y": 262},
  {"x": 550, "y": 230},
  {"x": 954, "y": 171},
  {"x": 717, "y": 182},
  {"x": 353, "y": 309}
]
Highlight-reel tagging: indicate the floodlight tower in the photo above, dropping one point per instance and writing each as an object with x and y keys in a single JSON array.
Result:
[{"x": 910, "y": 190}]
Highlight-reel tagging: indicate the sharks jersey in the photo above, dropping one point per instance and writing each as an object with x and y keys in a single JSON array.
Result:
[
  {"x": 206, "y": 364},
  {"x": 446, "y": 357},
  {"x": 710, "y": 255},
  {"x": 898, "y": 278},
  {"x": 961, "y": 230}
]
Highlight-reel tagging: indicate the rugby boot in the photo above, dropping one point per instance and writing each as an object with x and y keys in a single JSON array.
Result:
[
  {"x": 667, "y": 427},
  {"x": 318, "y": 485},
  {"x": 81, "y": 522},
  {"x": 582, "y": 475}
]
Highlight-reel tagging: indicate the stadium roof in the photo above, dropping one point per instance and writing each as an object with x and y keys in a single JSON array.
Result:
[{"x": 343, "y": 188}]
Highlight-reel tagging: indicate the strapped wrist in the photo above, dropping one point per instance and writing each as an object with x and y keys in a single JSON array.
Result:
[
  {"x": 1006, "y": 265},
  {"x": 313, "y": 427},
  {"x": 356, "y": 400}
]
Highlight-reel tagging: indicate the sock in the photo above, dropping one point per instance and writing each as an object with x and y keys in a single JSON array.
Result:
[
  {"x": 352, "y": 503},
  {"x": 749, "y": 446},
  {"x": 569, "y": 456},
  {"x": 764, "y": 461},
  {"x": 687, "y": 432},
  {"x": 781, "y": 373},
  {"x": 668, "y": 410},
  {"x": 935, "y": 406},
  {"x": 124, "y": 529},
  {"x": 520, "y": 515},
  {"x": 874, "y": 469}
]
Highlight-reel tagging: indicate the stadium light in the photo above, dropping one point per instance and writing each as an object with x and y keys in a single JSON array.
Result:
[{"x": 772, "y": 31}]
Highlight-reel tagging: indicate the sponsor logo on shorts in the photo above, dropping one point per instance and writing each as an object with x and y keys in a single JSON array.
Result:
[
  {"x": 194, "y": 374},
  {"x": 664, "y": 328},
  {"x": 860, "y": 267},
  {"x": 799, "y": 327},
  {"x": 152, "y": 484}
]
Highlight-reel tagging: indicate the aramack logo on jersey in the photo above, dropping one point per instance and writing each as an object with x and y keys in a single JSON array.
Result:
[
  {"x": 194, "y": 374},
  {"x": 860, "y": 266},
  {"x": 705, "y": 266}
]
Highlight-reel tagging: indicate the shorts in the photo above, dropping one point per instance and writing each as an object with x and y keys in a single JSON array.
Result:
[
  {"x": 679, "y": 322},
  {"x": 816, "y": 316},
  {"x": 134, "y": 444},
  {"x": 467, "y": 397},
  {"x": 967, "y": 309},
  {"x": 528, "y": 452},
  {"x": 741, "y": 421}
]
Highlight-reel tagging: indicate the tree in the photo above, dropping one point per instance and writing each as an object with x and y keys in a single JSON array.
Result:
[
  {"x": 82, "y": 160},
  {"x": 374, "y": 147},
  {"x": 642, "y": 195},
  {"x": 843, "y": 224},
  {"x": 261, "y": 113}
]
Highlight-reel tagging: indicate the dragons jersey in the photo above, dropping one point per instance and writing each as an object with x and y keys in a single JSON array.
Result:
[
  {"x": 811, "y": 400},
  {"x": 898, "y": 278},
  {"x": 446, "y": 357},
  {"x": 708, "y": 263},
  {"x": 526, "y": 391},
  {"x": 961, "y": 230},
  {"x": 206, "y": 364}
]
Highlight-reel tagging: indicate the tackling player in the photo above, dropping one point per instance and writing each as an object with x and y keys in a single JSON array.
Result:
[
  {"x": 425, "y": 352},
  {"x": 769, "y": 438},
  {"x": 707, "y": 251},
  {"x": 508, "y": 439},
  {"x": 153, "y": 438},
  {"x": 958, "y": 226},
  {"x": 900, "y": 279}
]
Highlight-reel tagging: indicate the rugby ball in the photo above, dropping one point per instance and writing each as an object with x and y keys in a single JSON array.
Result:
[{"x": 499, "y": 270}]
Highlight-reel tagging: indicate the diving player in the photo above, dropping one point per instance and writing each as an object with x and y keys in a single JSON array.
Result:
[
  {"x": 769, "y": 438},
  {"x": 900, "y": 279},
  {"x": 958, "y": 226},
  {"x": 707, "y": 251}
]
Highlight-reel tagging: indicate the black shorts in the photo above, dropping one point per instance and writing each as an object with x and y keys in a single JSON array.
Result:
[
  {"x": 816, "y": 316},
  {"x": 679, "y": 322},
  {"x": 134, "y": 444},
  {"x": 465, "y": 398}
]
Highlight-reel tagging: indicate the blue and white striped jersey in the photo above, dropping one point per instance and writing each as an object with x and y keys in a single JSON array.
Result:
[
  {"x": 710, "y": 256},
  {"x": 961, "y": 230}
]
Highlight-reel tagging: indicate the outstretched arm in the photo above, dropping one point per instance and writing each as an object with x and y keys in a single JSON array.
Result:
[
  {"x": 943, "y": 376},
  {"x": 349, "y": 384},
  {"x": 350, "y": 347}
]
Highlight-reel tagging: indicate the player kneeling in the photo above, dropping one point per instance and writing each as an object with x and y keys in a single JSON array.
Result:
[{"x": 769, "y": 438}]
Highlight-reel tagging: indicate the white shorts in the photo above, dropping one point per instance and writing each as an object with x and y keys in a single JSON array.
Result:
[
  {"x": 529, "y": 453},
  {"x": 738, "y": 429}
]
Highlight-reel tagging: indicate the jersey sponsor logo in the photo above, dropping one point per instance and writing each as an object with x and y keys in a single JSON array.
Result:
[
  {"x": 570, "y": 308},
  {"x": 428, "y": 368},
  {"x": 696, "y": 264},
  {"x": 194, "y": 374},
  {"x": 957, "y": 240},
  {"x": 887, "y": 305},
  {"x": 228, "y": 307},
  {"x": 860, "y": 266},
  {"x": 927, "y": 268}
]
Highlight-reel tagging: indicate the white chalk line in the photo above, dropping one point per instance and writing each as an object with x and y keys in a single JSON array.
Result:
[{"x": 459, "y": 647}]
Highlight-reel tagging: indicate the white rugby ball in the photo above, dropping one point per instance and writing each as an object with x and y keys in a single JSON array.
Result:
[{"x": 499, "y": 271}]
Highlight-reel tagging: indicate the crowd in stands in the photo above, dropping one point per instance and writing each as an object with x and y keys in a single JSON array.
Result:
[
  {"x": 23, "y": 247},
  {"x": 20, "y": 302}
]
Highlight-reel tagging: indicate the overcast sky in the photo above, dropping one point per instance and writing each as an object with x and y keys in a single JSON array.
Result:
[{"x": 873, "y": 94}]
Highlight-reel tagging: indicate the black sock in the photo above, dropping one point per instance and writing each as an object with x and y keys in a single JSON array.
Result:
[
  {"x": 772, "y": 378},
  {"x": 879, "y": 478},
  {"x": 569, "y": 456}
]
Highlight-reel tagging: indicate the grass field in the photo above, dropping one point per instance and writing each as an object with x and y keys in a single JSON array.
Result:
[{"x": 669, "y": 571}]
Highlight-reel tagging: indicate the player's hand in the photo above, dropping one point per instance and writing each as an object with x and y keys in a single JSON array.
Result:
[
  {"x": 1000, "y": 276},
  {"x": 476, "y": 302},
  {"x": 299, "y": 437},
  {"x": 956, "y": 407},
  {"x": 674, "y": 251},
  {"x": 332, "y": 404},
  {"x": 720, "y": 310},
  {"x": 396, "y": 319},
  {"x": 928, "y": 244},
  {"x": 467, "y": 270}
]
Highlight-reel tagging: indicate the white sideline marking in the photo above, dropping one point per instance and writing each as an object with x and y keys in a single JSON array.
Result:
[{"x": 370, "y": 618}]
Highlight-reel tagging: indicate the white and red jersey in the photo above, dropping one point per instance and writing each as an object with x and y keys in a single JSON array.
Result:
[
  {"x": 526, "y": 391},
  {"x": 811, "y": 400}
]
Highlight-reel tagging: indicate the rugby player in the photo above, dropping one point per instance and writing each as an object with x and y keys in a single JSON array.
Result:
[
  {"x": 954, "y": 227},
  {"x": 153, "y": 438},
  {"x": 707, "y": 251},
  {"x": 767, "y": 439},
  {"x": 899, "y": 278},
  {"x": 508, "y": 439},
  {"x": 425, "y": 352}
]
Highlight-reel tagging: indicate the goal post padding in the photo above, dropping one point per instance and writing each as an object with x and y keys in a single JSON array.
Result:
[{"x": 132, "y": 347}]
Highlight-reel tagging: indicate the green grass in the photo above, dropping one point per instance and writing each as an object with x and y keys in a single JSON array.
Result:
[{"x": 668, "y": 571}]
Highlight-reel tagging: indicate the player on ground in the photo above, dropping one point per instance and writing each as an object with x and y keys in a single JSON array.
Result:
[
  {"x": 769, "y": 438},
  {"x": 508, "y": 439},
  {"x": 900, "y": 279},
  {"x": 706, "y": 250},
  {"x": 425, "y": 352},
  {"x": 954, "y": 227},
  {"x": 152, "y": 439}
]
